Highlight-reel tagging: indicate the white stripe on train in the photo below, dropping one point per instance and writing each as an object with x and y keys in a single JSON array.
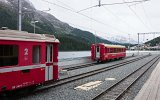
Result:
[{"x": 19, "y": 68}]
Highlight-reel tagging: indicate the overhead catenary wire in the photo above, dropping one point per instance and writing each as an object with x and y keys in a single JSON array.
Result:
[
  {"x": 134, "y": 4},
  {"x": 64, "y": 4},
  {"x": 94, "y": 31},
  {"x": 124, "y": 2},
  {"x": 145, "y": 13},
  {"x": 110, "y": 4},
  {"x": 83, "y": 27},
  {"x": 72, "y": 10},
  {"x": 128, "y": 25},
  {"x": 137, "y": 16},
  {"x": 87, "y": 28},
  {"x": 75, "y": 24},
  {"x": 118, "y": 17}
]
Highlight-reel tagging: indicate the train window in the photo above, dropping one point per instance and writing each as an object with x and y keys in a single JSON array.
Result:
[
  {"x": 97, "y": 48},
  {"x": 106, "y": 50},
  {"x": 8, "y": 55},
  {"x": 49, "y": 53},
  {"x": 111, "y": 50},
  {"x": 115, "y": 50},
  {"x": 36, "y": 54}
]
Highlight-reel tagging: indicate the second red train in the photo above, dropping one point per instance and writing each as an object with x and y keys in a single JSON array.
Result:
[{"x": 104, "y": 52}]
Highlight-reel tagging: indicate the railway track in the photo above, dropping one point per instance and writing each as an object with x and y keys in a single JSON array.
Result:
[
  {"x": 80, "y": 66},
  {"x": 85, "y": 65},
  {"x": 87, "y": 74},
  {"x": 117, "y": 90},
  {"x": 80, "y": 76}
]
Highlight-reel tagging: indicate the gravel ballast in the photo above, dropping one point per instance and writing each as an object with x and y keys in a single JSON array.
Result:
[
  {"x": 66, "y": 74},
  {"x": 133, "y": 91},
  {"x": 67, "y": 91}
]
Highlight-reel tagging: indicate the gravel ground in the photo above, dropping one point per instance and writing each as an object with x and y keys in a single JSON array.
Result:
[
  {"x": 65, "y": 74},
  {"x": 133, "y": 91},
  {"x": 67, "y": 91}
]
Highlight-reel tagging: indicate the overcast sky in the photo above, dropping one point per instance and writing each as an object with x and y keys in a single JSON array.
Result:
[{"x": 112, "y": 21}]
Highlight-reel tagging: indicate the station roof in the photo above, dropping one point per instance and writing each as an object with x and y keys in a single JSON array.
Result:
[{"x": 25, "y": 36}]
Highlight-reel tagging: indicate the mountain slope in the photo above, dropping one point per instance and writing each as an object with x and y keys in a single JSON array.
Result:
[
  {"x": 154, "y": 42},
  {"x": 47, "y": 24}
]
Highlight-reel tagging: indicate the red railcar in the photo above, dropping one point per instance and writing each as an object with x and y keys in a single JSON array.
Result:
[
  {"x": 27, "y": 59},
  {"x": 103, "y": 52}
]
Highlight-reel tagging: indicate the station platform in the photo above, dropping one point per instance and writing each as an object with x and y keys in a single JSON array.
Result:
[{"x": 151, "y": 89}]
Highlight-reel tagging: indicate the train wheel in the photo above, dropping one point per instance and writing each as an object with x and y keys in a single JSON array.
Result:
[
  {"x": 3, "y": 96},
  {"x": 31, "y": 89}
]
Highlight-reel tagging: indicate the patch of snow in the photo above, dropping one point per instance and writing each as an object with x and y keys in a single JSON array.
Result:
[
  {"x": 121, "y": 39},
  {"x": 25, "y": 8},
  {"x": 89, "y": 85}
]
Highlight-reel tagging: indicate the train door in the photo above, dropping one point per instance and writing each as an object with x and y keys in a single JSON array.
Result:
[
  {"x": 97, "y": 51},
  {"x": 49, "y": 60}
]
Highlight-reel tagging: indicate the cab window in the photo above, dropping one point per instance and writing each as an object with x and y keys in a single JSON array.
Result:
[{"x": 8, "y": 55}]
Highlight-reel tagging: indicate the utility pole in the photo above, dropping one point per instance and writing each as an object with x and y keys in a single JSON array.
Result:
[
  {"x": 20, "y": 15},
  {"x": 99, "y": 3},
  {"x": 95, "y": 38},
  {"x": 129, "y": 42},
  {"x": 138, "y": 43},
  {"x": 35, "y": 26}
]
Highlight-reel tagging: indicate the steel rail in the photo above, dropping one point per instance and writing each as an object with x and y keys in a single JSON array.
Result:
[
  {"x": 80, "y": 66},
  {"x": 87, "y": 74},
  {"x": 117, "y": 90},
  {"x": 86, "y": 65},
  {"x": 79, "y": 76}
]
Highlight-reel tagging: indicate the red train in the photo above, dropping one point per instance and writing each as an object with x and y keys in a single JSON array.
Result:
[
  {"x": 103, "y": 52},
  {"x": 27, "y": 59}
]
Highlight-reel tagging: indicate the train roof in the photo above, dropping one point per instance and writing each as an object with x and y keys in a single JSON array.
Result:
[
  {"x": 25, "y": 36},
  {"x": 112, "y": 46}
]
